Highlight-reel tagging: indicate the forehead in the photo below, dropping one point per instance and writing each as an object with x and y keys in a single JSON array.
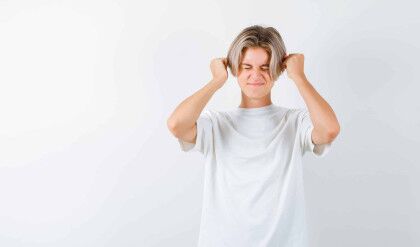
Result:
[{"x": 255, "y": 56}]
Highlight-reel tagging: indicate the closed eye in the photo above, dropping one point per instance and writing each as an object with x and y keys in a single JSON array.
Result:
[{"x": 250, "y": 68}]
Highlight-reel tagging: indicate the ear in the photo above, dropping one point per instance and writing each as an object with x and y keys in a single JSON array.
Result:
[
  {"x": 283, "y": 67},
  {"x": 284, "y": 58}
]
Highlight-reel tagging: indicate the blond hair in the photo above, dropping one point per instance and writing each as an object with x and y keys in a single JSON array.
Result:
[{"x": 267, "y": 38}]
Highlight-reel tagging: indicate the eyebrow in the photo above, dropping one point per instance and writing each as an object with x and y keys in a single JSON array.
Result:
[{"x": 251, "y": 65}]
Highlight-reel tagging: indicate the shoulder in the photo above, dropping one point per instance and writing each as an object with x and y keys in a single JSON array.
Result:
[
  {"x": 296, "y": 116},
  {"x": 217, "y": 114},
  {"x": 213, "y": 116},
  {"x": 297, "y": 112}
]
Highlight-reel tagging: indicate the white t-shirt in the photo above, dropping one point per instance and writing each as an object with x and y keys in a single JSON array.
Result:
[{"x": 253, "y": 189}]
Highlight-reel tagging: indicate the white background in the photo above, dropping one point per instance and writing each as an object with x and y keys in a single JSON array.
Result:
[{"x": 86, "y": 87}]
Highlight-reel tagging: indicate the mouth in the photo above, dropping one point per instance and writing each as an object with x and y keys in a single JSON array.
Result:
[{"x": 255, "y": 84}]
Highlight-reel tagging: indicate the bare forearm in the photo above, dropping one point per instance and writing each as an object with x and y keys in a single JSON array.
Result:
[
  {"x": 187, "y": 112},
  {"x": 321, "y": 113}
]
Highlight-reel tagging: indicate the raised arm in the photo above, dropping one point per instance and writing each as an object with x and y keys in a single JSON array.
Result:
[
  {"x": 182, "y": 121},
  {"x": 326, "y": 125}
]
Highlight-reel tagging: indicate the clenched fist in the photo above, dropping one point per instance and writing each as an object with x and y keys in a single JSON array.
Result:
[
  {"x": 294, "y": 65},
  {"x": 219, "y": 71}
]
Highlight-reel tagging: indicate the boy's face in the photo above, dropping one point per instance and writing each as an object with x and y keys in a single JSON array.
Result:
[{"x": 254, "y": 69}]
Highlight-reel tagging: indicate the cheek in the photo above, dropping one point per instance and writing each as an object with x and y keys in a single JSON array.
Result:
[
  {"x": 244, "y": 76},
  {"x": 267, "y": 76}
]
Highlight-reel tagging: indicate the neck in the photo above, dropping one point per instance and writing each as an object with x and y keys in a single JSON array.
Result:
[{"x": 248, "y": 102}]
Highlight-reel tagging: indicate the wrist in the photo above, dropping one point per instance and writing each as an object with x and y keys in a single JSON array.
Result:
[
  {"x": 215, "y": 84},
  {"x": 218, "y": 81},
  {"x": 299, "y": 78}
]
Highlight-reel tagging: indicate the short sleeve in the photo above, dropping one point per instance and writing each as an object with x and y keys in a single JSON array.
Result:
[
  {"x": 305, "y": 128},
  {"x": 204, "y": 139}
]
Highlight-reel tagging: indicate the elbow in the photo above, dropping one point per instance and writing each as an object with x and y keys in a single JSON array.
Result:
[
  {"x": 175, "y": 128},
  {"x": 333, "y": 132},
  {"x": 171, "y": 126}
]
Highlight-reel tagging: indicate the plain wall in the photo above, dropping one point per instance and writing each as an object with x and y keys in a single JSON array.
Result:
[{"x": 86, "y": 158}]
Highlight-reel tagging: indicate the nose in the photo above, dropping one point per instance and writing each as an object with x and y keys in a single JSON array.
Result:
[{"x": 256, "y": 75}]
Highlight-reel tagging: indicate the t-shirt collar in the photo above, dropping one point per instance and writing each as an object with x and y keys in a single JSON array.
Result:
[{"x": 255, "y": 110}]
